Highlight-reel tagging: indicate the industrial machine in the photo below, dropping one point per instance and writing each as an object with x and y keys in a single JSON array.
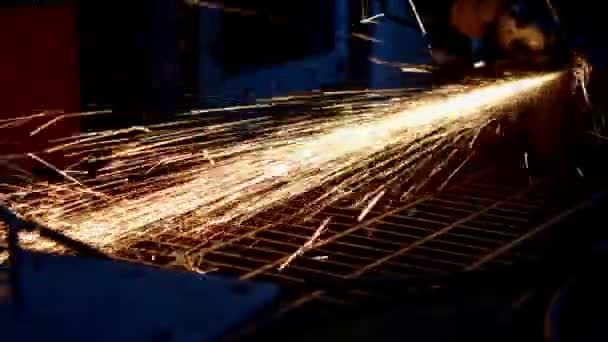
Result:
[
  {"x": 92, "y": 298},
  {"x": 490, "y": 258},
  {"x": 482, "y": 260},
  {"x": 468, "y": 37}
]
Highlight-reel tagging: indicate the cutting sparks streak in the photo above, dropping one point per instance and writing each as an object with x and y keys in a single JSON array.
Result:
[
  {"x": 371, "y": 205},
  {"x": 63, "y": 173},
  {"x": 308, "y": 245},
  {"x": 220, "y": 180},
  {"x": 420, "y": 23}
]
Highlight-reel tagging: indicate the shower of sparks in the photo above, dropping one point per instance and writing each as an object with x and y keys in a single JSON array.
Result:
[
  {"x": 372, "y": 19},
  {"x": 371, "y": 204},
  {"x": 479, "y": 64},
  {"x": 308, "y": 245},
  {"x": 196, "y": 176},
  {"x": 366, "y": 38},
  {"x": 404, "y": 67},
  {"x": 418, "y": 20},
  {"x": 219, "y": 6},
  {"x": 581, "y": 73}
]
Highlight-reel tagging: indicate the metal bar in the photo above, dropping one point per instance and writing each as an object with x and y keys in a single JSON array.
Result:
[
  {"x": 378, "y": 219},
  {"x": 506, "y": 218},
  {"x": 318, "y": 250},
  {"x": 335, "y": 237},
  {"x": 503, "y": 249},
  {"x": 466, "y": 225},
  {"x": 387, "y": 259},
  {"x": 430, "y": 237},
  {"x": 252, "y": 233},
  {"x": 403, "y": 265},
  {"x": 306, "y": 269},
  {"x": 497, "y": 232}
]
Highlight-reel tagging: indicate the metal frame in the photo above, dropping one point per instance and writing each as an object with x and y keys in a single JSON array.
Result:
[
  {"x": 484, "y": 220},
  {"x": 478, "y": 223},
  {"x": 14, "y": 226}
]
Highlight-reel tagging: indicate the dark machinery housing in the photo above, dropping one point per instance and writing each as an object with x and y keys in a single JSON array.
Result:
[{"x": 511, "y": 34}]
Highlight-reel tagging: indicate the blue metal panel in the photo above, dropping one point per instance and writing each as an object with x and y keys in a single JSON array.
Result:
[
  {"x": 298, "y": 74},
  {"x": 80, "y": 299},
  {"x": 399, "y": 45}
]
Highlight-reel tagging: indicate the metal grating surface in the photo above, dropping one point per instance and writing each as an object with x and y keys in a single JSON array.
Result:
[{"x": 476, "y": 223}]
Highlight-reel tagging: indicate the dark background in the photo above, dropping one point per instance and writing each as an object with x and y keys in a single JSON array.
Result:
[{"x": 281, "y": 31}]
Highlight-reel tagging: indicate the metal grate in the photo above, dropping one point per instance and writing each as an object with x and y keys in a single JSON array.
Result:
[{"x": 474, "y": 224}]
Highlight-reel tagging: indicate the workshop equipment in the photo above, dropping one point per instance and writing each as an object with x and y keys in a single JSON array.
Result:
[
  {"x": 77, "y": 298},
  {"x": 486, "y": 34},
  {"x": 487, "y": 219},
  {"x": 493, "y": 218}
]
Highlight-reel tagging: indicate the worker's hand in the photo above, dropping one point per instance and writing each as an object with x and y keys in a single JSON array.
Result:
[{"x": 471, "y": 17}]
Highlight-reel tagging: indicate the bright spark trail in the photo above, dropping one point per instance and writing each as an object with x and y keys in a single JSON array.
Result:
[{"x": 191, "y": 177}]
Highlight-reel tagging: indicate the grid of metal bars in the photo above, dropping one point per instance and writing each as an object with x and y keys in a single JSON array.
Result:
[
  {"x": 474, "y": 224},
  {"x": 480, "y": 221}
]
